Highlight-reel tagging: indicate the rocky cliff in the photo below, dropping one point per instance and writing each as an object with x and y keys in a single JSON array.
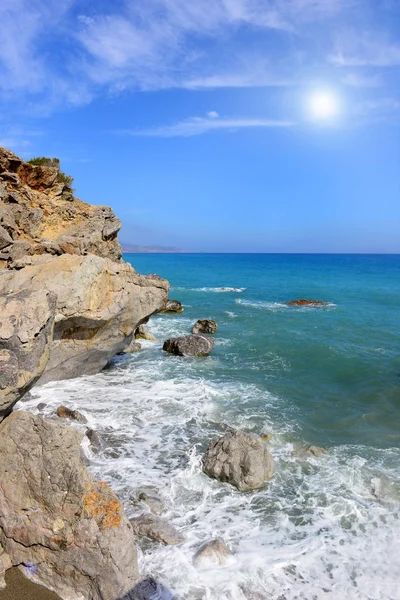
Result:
[
  {"x": 54, "y": 246},
  {"x": 68, "y": 304}
]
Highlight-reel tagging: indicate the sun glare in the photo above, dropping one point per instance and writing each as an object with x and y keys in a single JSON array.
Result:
[{"x": 324, "y": 105}]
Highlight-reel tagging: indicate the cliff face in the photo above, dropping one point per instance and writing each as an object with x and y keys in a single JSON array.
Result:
[
  {"x": 39, "y": 216},
  {"x": 55, "y": 245}
]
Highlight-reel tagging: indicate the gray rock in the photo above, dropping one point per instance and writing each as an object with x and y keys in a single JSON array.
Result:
[
  {"x": 204, "y": 326},
  {"x": 41, "y": 405},
  {"x": 66, "y": 413},
  {"x": 211, "y": 553},
  {"x": 26, "y": 329},
  {"x": 142, "y": 333},
  {"x": 5, "y": 238},
  {"x": 153, "y": 502},
  {"x": 189, "y": 345},
  {"x": 239, "y": 458},
  {"x": 172, "y": 306},
  {"x": 149, "y": 589},
  {"x": 155, "y": 528},
  {"x": 94, "y": 439},
  {"x": 57, "y": 518}
]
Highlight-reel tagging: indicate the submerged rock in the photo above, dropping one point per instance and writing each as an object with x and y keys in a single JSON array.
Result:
[
  {"x": 155, "y": 528},
  {"x": 239, "y": 458},
  {"x": 172, "y": 306},
  {"x": 149, "y": 589},
  {"x": 305, "y": 302},
  {"x": 55, "y": 517},
  {"x": 189, "y": 345},
  {"x": 211, "y": 553},
  {"x": 205, "y": 326},
  {"x": 153, "y": 502},
  {"x": 314, "y": 450},
  {"x": 66, "y": 413},
  {"x": 142, "y": 333},
  {"x": 26, "y": 330},
  {"x": 132, "y": 348}
]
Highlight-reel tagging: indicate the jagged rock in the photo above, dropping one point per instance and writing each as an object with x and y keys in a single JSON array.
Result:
[
  {"x": 66, "y": 413},
  {"x": 204, "y": 326},
  {"x": 142, "y": 333},
  {"x": 26, "y": 329},
  {"x": 155, "y": 528},
  {"x": 211, "y": 553},
  {"x": 189, "y": 345},
  {"x": 149, "y": 589},
  {"x": 5, "y": 238},
  {"x": 153, "y": 502},
  {"x": 55, "y": 517},
  {"x": 99, "y": 304},
  {"x": 305, "y": 302},
  {"x": 94, "y": 439},
  {"x": 172, "y": 306},
  {"x": 239, "y": 458},
  {"x": 44, "y": 209}
]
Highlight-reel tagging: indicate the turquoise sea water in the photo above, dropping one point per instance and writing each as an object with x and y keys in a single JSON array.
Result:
[{"x": 324, "y": 527}]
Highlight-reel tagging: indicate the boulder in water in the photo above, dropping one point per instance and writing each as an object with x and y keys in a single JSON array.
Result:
[
  {"x": 306, "y": 302},
  {"x": 149, "y": 589},
  {"x": 142, "y": 333},
  {"x": 189, "y": 345},
  {"x": 172, "y": 306},
  {"x": 155, "y": 528},
  {"x": 212, "y": 553},
  {"x": 239, "y": 458},
  {"x": 204, "y": 326},
  {"x": 74, "y": 415}
]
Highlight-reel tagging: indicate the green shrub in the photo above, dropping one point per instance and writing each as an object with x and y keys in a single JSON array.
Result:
[{"x": 45, "y": 161}]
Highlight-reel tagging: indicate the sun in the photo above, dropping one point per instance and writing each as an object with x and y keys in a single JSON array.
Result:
[{"x": 324, "y": 105}]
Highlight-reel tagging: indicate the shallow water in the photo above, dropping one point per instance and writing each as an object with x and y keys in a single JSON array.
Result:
[{"x": 324, "y": 527}]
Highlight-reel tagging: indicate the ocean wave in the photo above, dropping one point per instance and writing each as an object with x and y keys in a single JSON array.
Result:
[
  {"x": 277, "y": 306},
  {"x": 220, "y": 289}
]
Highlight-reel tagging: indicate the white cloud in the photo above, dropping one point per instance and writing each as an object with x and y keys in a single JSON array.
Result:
[
  {"x": 200, "y": 125},
  {"x": 365, "y": 50},
  {"x": 212, "y": 114}
]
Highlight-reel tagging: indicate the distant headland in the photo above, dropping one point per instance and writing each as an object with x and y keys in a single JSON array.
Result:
[{"x": 134, "y": 248}]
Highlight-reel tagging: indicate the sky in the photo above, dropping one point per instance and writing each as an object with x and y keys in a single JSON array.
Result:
[{"x": 194, "y": 119}]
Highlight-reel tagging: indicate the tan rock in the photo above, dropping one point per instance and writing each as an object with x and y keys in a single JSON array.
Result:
[
  {"x": 99, "y": 304},
  {"x": 26, "y": 331},
  {"x": 69, "y": 528}
]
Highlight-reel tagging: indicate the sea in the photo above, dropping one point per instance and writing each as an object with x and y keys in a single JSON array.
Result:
[{"x": 325, "y": 526}]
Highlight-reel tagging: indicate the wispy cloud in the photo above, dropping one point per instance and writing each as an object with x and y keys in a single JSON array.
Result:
[
  {"x": 365, "y": 50},
  {"x": 200, "y": 125},
  {"x": 359, "y": 80}
]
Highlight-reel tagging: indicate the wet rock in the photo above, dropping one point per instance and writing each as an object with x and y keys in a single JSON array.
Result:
[
  {"x": 153, "y": 502},
  {"x": 66, "y": 413},
  {"x": 212, "y": 553},
  {"x": 314, "y": 450},
  {"x": 239, "y": 458},
  {"x": 205, "y": 326},
  {"x": 94, "y": 439},
  {"x": 305, "y": 302},
  {"x": 55, "y": 517},
  {"x": 41, "y": 406},
  {"x": 172, "y": 306},
  {"x": 142, "y": 333},
  {"x": 189, "y": 345},
  {"x": 149, "y": 589},
  {"x": 155, "y": 528},
  {"x": 132, "y": 348},
  {"x": 26, "y": 330}
]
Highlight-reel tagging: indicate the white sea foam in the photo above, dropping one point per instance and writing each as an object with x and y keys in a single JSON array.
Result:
[
  {"x": 220, "y": 289},
  {"x": 231, "y": 314},
  {"x": 278, "y": 306},
  {"x": 323, "y": 528}
]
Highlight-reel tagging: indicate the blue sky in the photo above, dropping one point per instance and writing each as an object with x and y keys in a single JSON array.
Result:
[{"x": 191, "y": 118}]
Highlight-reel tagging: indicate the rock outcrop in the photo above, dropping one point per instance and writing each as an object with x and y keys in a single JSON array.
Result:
[
  {"x": 54, "y": 517},
  {"x": 99, "y": 304},
  {"x": 26, "y": 332},
  {"x": 40, "y": 216},
  {"x": 189, "y": 345},
  {"x": 172, "y": 306},
  {"x": 305, "y": 302},
  {"x": 204, "y": 326},
  {"x": 239, "y": 458},
  {"x": 142, "y": 333}
]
